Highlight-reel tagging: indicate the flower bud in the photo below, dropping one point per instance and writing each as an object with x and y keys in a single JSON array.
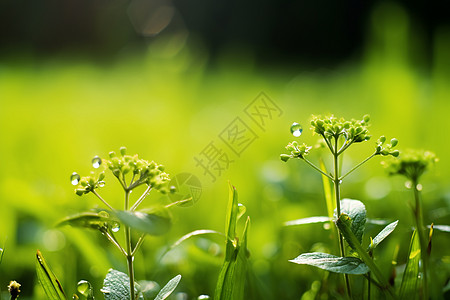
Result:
[
  {"x": 285, "y": 157},
  {"x": 394, "y": 142},
  {"x": 395, "y": 153},
  {"x": 123, "y": 151}
]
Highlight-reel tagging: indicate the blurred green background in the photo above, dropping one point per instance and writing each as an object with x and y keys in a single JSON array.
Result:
[{"x": 167, "y": 96}]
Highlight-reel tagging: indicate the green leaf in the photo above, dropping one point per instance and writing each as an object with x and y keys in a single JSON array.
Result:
[
  {"x": 232, "y": 213},
  {"x": 240, "y": 272},
  {"x": 310, "y": 220},
  {"x": 410, "y": 287},
  {"x": 190, "y": 235},
  {"x": 116, "y": 286},
  {"x": 356, "y": 210},
  {"x": 383, "y": 234},
  {"x": 444, "y": 228},
  {"x": 346, "y": 265},
  {"x": 153, "y": 224},
  {"x": 90, "y": 220},
  {"x": 48, "y": 280},
  {"x": 232, "y": 276},
  {"x": 344, "y": 224},
  {"x": 149, "y": 289},
  {"x": 168, "y": 288}
]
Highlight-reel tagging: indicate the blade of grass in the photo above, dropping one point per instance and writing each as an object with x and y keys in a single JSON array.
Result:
[
  {"x": 48, "y": 280},
  {"x": 410, "y": 287}
]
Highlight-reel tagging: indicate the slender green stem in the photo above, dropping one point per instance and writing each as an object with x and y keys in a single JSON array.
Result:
[
  {"x": 138, "y": 244},
  {"x": 337, "y": 196},
  {"x": 344, "y": 147},
  {"x": 139, "y": 201},
  {"x": 328, "y": 143},
  {"x": 317, "y": 169},
  {"x": 418, "y": 215},
  {"x": 357, "y": 166},
  {"x": 129, "y": 252},
  {"x": 101, "y": 199},
  {"x": 114, "y": 242}
]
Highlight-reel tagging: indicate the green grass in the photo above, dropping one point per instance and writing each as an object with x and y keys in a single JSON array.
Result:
[{"x": 56, "y": 115}]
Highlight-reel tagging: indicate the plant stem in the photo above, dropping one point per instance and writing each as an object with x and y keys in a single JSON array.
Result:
[
  {"x": 101, "y": 199},
  {"x": 357, "y": 166},
  {"x": 139, "y": 201},
  {"x": 130, "y": 257},
  {"x": 317, "y": 169},
  {"x": 418, "y": 216},
  {"x": 337, "y": 196}
]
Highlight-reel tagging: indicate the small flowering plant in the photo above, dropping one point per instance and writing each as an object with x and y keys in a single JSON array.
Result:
[
  {"x": 412, "y": 165},
  {"x": 338, "y": 134},
  {"x": 131, "y": 172}
]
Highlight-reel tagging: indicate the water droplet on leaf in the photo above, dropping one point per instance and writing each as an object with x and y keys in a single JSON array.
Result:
[
  {"x": 96, "y": 162},
  {"x": 419, "y": 187},
  {"x": 101, "y": 183},
  {"x": 75, "y": 178},
  {"x": 84, "y": 288},
  {"x": 408, "y": 184},
  {"x": 296, "y": 129}
]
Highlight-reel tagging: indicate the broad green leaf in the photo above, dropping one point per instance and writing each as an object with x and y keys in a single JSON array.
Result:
[
  {"x": 383, "y": 234},
  {"x": 346, "y": 265},
  {"x": 90, "y": 220},
  {"x": 116, "y": 286},
  {"x": 48, "y": 280},
  {"x": 410, "y": 287},
  {"x": 153, "y": 224},
  {"x": 85, "y": 288},
  {"x": 356, "y": 210},
  {"x": 168, "y": 288},
  {"x": 310, "y": 220},
  {"x": 149, "y": 289}
]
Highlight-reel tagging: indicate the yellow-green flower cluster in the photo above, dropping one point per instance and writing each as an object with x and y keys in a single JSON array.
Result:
[
  {"x": 297, "y": 151},
  {"x": 354, "y": 131},
  {"x": 411, "y": 164}
]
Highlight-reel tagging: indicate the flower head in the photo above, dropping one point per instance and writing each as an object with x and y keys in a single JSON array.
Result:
[{"x": 411, "y": 164}]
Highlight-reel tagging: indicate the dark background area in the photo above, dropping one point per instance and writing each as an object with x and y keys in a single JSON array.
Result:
[{"x": 317, "y": 32}]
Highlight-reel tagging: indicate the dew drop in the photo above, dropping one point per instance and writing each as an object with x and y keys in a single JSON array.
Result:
[
  {"x": 101, "y": 183},
  {"x": 115, "y": 227},
  {"x": 296, "y": 129},
  {"x": 203, "y": 297},
  {"x": 408, "y": 184},
  {"x": 75, "y": 178},
  {"x": 96, "y": 162},
  {"x": 419, "y": 187},
  {"x": 84, "y": 288}
]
